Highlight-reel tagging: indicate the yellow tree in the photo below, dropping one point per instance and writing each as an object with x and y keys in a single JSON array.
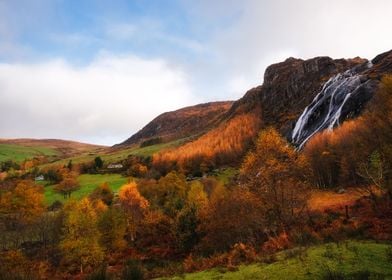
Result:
[
  {"x": 20, "y": 207},
  {"x": 197, "y": 196},
  {"x": 112, "y": 226},
  {"x": 80, "y": 243},
  {"x": 23, "y": 204},
  {"x": 277, "y": 174},
  {"x": 134, "y": 205}
]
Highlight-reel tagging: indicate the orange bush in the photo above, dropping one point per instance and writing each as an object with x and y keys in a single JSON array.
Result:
[{"x": 277, "y": 243}]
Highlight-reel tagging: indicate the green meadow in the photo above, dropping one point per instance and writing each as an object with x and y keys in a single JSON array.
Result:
[
  {"x": 347, "y": 260},
  {"x": 88, "y": 183},
  {"x": 19, "y": 153}
]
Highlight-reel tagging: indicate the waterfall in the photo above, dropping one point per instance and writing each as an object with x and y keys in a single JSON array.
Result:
[{"x": 325, "y": 111}]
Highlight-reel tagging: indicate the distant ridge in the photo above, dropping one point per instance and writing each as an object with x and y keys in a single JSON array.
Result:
[{"x": 65, "y": 147}]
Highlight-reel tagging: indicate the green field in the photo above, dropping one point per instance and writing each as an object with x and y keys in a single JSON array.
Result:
[
  {"x": 87, "y": 184},
  {"x": 19, "y": 153},
  {"x": 349, "y": 260}
]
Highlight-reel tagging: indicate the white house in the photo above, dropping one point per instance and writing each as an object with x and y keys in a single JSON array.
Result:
[
  {"x": 115, "y": 166},
  {"x": 40, "y": 178}
]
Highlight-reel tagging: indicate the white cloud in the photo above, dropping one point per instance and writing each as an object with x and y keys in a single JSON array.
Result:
[
  {"x": 261, "y": 32},
  {"x": 103, "y": 102}
]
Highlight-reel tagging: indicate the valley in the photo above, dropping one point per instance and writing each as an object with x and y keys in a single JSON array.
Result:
[{"x": 291, "y": 181}]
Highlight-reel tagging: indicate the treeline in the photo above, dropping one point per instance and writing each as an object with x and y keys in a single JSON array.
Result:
[{"x": 225, "y": 144}]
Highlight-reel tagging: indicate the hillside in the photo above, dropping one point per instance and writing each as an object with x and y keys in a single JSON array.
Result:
[
  {"x": 64, "y": 148},
  {"x": 185, "y": 122},
  {"x": 281, "y": 101}
]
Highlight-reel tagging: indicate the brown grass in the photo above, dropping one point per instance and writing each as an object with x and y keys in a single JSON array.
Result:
[{"x": 321, "y": 200}]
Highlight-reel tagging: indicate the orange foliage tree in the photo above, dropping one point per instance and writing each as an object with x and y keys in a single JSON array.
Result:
[
  {"x": 230, "y": 217},
  {"x": 276, "y": 173},
  {"x": 225, "y": 144},
  {"x": 68, "y": 185},
  {"x": 134, "y": 206}
]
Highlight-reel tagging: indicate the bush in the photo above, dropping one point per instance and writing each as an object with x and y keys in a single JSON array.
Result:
[
  {"x": 241, "y": 253},
  {"x": 274, "y": 244}
]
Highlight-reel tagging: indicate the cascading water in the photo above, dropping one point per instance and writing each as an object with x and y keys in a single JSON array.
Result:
[{"x": 328, "y": 108}]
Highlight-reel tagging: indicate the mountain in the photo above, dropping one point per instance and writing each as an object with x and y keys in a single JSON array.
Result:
[
  {"x": 64, "y": 147},
  {"x": 298, "y": 97},
  {"x": 185, "y": 122}
]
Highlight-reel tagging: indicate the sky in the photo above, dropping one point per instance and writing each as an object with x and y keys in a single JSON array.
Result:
[{"x": 98, "y": 71}]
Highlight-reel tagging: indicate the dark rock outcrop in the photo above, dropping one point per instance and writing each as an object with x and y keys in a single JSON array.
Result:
[{"x": 342, "y": 97}]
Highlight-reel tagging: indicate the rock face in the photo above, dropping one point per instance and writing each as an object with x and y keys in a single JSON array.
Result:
[
  {"x": 342, "y": 97},
  {"x": 185, "y": 122},
  {"x": 288, "y": 88}
]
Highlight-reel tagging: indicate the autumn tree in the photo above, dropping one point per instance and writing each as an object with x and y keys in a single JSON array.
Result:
[
  {"x": 23, "y": 204},
  {"x": 231, "y": 217},
  {"x": 172, "y": 193},
  {"x": 104, "y": 193},
  {"x": 225, "y": 144},
  {"x": 134, "y": 206},
  {"x": 112, "y": 225},
  {"x": 277, "y": 175},
  {"x": 20, "y": 207},
  {"x": 379, "y": 133},
  {"x": 68, "y": 185},
  {"x": 80, "y": 242},
  {"x": 157, "y": 231}
]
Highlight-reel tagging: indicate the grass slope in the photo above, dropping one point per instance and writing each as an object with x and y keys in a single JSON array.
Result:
[
  {"x": 87, "y": 184},
  {"x": 347, "y": 259},
  {"x": 20, "y": 153},
  {"x": 111, "y": 156}
]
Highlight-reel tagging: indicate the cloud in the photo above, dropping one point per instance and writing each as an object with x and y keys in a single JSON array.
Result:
[
  {"x": 103, "y": 102},
  {"x": 251, "y": 34}
]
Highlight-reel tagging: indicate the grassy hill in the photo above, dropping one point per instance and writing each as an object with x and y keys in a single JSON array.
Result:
[
  {"x": 21, "y": 149},
  {"x": 19, "y": 153},
  {"x": 348, "y": 260},
  {"x": 118, "y": 154}
]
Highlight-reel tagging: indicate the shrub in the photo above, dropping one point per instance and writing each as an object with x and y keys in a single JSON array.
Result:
[
  {"x": 278, "y": 243},
  {"x": 241, "y": 253}
]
